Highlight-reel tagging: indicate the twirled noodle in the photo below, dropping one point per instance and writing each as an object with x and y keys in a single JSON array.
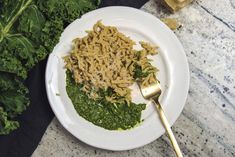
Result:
[{"x": 105, "y": 58}]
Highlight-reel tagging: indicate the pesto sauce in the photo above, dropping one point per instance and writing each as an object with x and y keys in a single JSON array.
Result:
[{"x": 101, "y": 112}]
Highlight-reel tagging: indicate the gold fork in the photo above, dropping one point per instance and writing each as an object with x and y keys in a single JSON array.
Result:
[{"x": 153, "y": 92}]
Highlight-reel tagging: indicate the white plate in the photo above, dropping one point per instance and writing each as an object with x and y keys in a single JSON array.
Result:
[{"x": 174, "y": 77}]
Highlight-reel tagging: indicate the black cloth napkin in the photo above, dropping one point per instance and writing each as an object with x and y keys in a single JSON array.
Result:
[{"x": 34, "y": 121}]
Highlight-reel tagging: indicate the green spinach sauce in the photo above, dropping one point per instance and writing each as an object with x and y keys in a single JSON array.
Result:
[{"x": 101, "y": 112}]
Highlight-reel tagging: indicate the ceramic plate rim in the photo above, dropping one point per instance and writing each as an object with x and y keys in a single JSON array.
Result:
[{"x": 185, "y": 72}]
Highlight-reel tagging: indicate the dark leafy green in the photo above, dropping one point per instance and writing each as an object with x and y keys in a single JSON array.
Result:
[
  {"x": 139, "y": 73},
  {"x": 101, "y": 112},
  {"x": 6, "y": 126},
  {"x": 29, "y": 29},
  {"x": 14, "y": 95}
]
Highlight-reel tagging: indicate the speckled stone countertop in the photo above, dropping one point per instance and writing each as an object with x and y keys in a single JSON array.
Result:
[{"x": 206, "y": 126}]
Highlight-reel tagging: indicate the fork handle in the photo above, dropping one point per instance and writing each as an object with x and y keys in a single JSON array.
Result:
[{"x": 168, "y": 129}]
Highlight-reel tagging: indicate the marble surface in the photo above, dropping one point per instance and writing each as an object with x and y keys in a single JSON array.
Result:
[{"x": 206, "y": 126}]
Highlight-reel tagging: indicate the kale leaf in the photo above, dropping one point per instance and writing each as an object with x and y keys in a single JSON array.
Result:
[
  {"x": 29, "y": 30},
  {"x": 139, "y": 73},
  {"x": 13, "y": 95},
  {"x": 6, "y": 125}
]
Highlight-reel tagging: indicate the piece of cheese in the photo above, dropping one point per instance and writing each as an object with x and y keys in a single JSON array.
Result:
[{"x": 175, "y": 5}]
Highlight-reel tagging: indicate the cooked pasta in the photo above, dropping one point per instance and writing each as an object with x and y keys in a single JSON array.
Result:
[{"x": 105, "y": 59}]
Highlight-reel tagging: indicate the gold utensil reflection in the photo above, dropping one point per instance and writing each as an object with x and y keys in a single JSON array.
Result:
[{"x": 152, "y": 92}]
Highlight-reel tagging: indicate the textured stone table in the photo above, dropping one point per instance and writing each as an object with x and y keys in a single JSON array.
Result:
[{"x": 206, "y": 126}]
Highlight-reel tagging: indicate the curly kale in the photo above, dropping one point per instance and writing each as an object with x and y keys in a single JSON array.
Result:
[
  {"x": 139, "y": 73},
  {"x": 6, "y": 125},
  {"x": 29, "y": 30},
  {"x": 13, "y": 95}
]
